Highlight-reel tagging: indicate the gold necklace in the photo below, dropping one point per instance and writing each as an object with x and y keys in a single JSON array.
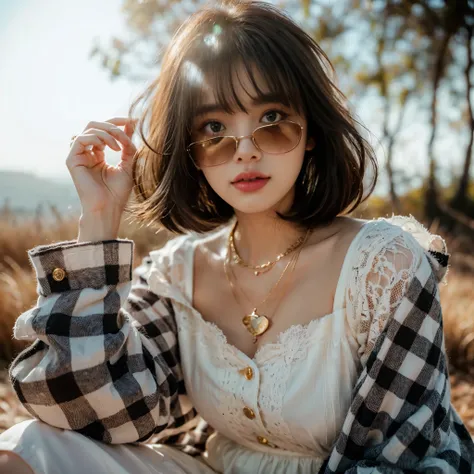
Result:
[
  {"x": 254, "y": 322},
  {"x": 257, "y": 323},
  {"x": 264, "y": 267},
  {"x": 232, "y": 273}
]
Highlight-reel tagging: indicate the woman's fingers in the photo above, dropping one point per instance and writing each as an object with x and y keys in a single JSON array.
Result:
[
  {"x": 130, "y": 150},
  {"x": 98, "y": 153},
  {"x": 127, "y": 122},
  {"x": 106, "y": 137},
  {"x": 125, "y": 137},
  {"x": 117, "y": 133},
  {"x": 119, "y": 121},
  {"x": 88, "y": 148},
  {"x": 129, "y": 128},
  {"x": 83, "y": 142}
]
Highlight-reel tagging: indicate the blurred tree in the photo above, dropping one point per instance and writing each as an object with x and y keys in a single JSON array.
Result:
[
  {"x": 397, "y": 77},
  {"x": 460, "y": 200},
  {"x": 438, "y": 24}
]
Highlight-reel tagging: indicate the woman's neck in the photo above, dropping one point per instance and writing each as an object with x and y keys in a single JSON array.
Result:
[{"x": 259, "y": 238}]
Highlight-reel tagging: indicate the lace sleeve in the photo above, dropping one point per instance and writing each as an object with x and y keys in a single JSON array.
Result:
[{"x": 388, "y": 259}]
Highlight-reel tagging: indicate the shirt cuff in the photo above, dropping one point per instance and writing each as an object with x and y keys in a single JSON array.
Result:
[{"x": 69, "y": 265}]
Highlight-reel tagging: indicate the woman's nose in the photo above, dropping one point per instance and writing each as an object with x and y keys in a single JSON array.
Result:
[{"x": 246, "y": 150}]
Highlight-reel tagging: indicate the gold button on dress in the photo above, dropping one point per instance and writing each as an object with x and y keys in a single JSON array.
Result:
[
  {"x": 249, "y": 413},
  {"x": 248, "y": 373},
  {"x": 262, "y": 440},
  {"x": 59, "y": 274}
]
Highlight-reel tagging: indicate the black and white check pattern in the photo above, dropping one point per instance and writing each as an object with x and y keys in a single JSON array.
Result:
[
  {"x": 105, "y": 362},
  {"x": 401, "y": 419}
]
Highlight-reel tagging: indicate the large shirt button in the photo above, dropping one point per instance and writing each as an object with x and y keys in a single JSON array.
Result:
[
  {"x": 59, "y": 274},
  {"x": 262, "y": 440},
  {"x": 249, "y": 413},
  {"x": 248, "y": 373}
]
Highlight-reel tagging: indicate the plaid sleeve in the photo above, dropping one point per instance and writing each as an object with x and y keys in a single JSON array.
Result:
[
  {"x": 105, "y": 359},
  {"x": 391, "y": 262},
  {"x": 401, "y": 419}
]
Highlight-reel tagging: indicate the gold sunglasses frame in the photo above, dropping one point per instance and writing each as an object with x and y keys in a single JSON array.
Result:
[{"x": 237, "y": 141}]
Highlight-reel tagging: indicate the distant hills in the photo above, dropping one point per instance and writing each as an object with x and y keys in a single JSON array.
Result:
[{"x": 24, "y": 192}]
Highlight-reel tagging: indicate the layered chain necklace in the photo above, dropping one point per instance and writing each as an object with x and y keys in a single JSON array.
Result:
[
  {"x": 264, "y": 267},
  {"x": 255, "y": 322}
]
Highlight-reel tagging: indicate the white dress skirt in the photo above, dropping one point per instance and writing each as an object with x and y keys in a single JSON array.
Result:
[
  {"x": 50, "y": 450},
  {"x": 297, "y": 397}
]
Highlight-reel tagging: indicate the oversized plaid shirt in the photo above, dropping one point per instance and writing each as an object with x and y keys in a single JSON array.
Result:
[{"x": 105, "y": 362}]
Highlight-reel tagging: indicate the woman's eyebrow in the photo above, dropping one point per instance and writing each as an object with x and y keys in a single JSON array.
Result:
[{"x": 263, "y": 99}]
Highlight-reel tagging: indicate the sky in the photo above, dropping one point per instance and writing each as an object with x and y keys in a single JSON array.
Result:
[{"x": 49, "y": 88}]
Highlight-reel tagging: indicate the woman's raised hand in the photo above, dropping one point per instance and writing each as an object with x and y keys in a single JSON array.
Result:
[{"x": 103, "y": 187}]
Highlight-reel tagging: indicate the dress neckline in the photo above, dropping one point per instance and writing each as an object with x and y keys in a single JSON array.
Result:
[{"x": 338, "y": 298}]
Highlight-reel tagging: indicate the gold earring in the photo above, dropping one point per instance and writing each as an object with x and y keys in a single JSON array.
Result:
[{"x": 311, "y": 142}]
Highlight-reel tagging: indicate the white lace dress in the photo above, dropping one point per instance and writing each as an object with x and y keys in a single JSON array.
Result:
[{"x": 281, "y": 411}]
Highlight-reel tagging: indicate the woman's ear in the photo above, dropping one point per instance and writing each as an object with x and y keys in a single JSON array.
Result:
[{"x": 310, "y": 143}]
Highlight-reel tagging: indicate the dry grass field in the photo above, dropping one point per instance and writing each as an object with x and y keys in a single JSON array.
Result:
[{"x": 18, "y": 293}]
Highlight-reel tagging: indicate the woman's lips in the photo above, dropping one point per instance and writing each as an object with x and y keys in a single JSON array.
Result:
[{"x": 251, "y": 185}]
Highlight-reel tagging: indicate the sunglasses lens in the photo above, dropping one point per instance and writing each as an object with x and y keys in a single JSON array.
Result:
[
  {"x": 278, "y": 138},
  {"x": 213, "y": 152}
]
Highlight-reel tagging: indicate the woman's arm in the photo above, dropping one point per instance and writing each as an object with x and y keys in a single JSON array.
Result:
[
  {"x": 104, "y": 361},
  {"x": 401, "y": 418}
]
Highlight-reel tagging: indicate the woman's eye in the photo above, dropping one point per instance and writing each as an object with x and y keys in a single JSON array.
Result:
[
  {"x": 213, "y": 127},
  {"x": 273, "y": 113}
]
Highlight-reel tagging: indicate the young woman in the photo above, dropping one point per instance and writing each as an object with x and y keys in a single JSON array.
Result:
[{"x": 275, "y": 334}]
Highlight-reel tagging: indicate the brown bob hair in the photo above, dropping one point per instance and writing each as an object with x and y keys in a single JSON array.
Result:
[{"x": 169, "y": 189}]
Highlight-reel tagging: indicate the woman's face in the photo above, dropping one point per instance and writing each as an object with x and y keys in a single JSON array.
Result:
[{"x": 281, "y": 170}]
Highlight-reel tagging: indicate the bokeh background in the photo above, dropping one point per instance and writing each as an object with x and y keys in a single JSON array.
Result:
[{"x": 405, "y": 66}]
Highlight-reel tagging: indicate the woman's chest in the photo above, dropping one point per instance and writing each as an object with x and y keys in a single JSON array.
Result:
[
  {"x": 293, "y": 392},
  {"x": 284, "y": 299}
]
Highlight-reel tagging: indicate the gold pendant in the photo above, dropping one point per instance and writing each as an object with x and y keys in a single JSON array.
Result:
[{"x": 255, "y": 323}]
